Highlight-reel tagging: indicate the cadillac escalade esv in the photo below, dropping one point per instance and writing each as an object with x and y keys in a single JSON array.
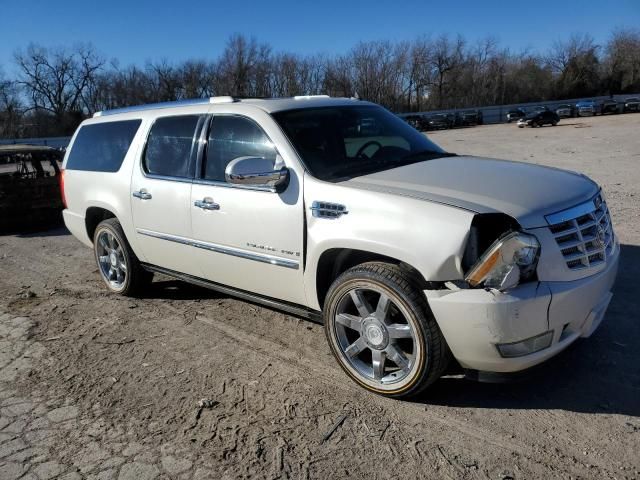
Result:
[{"x": 337, "y": 210}]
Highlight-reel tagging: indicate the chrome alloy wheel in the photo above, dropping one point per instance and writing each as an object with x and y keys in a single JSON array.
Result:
[
  {"x": 378, "y": 344},
  {"x": 111, "y": 260}
]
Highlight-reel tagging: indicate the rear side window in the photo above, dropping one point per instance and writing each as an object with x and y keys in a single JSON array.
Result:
[
  {"x": 171, "y": 146},
  {"x": 101, "y": 147},
  {"x": 232, "y": 137}
]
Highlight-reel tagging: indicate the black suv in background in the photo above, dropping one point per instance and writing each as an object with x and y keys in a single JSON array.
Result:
[
  {"x": 439, "y": 121},
  {"x": 538, "y": 119},
  {"x": 419, "y": 122},
  {"x": 608, "y": 106},
  {"x": 468, "y": 118},
  {"x": 632, "y": 105}
]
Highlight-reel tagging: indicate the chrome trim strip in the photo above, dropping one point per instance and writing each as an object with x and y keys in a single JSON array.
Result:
[
  {"x": 215, "y": 183},
  {"x": 571, "y": 213},
  {"x": 235, "y": 252}
]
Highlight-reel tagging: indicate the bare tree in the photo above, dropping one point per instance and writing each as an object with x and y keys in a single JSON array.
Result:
[
  {"x": 54, "y": 80},
  {"x": 56, "y": 88},
  {"x": 575, "y": 64},
  {"x": 244, "y": 67},
  {"x": 10, "y": 108},
  {"x": 622, "y": 61},
  {"x": 446, "y": 61}
]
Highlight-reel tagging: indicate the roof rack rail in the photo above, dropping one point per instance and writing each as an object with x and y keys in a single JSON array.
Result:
[
  {"x": 177, "y": 103},
  {"x": 308, "y": 97}
]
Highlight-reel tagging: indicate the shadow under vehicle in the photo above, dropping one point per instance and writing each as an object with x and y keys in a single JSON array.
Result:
[{"x": 29, "y": 187}]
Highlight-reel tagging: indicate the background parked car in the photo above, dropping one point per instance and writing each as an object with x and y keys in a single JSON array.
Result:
[
  {"x": 632, "y": 104},
  {"x": 608, "y": 106},
  {"x": 468, "y": 118},
  {"x": 439, "y": 121},
  {"x": 516, "y": 114},
  {"x": 586, "y": 108},
  {"x": 419, "y": 122},
  {"x": 566, "y": 110},
  {"x": 538, "y": 119}
]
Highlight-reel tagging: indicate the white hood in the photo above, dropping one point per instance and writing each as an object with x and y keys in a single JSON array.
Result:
[{"x": 524, "y": 191}]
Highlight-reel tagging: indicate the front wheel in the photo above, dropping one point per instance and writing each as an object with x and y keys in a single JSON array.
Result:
[
  {"x": 381, "y": 331},
  {"x": 118, "y": 265}
]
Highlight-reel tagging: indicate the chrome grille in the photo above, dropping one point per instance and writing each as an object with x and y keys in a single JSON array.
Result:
[{"x": 584, "y": 234}]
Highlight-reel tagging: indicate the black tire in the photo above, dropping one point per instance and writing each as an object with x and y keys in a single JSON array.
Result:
[
  {"x": 431, "y": 355},
  {"x": 136, "y": 278}
]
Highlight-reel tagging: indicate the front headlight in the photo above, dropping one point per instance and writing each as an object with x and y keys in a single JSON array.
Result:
[{"x": 510, "y": 260}]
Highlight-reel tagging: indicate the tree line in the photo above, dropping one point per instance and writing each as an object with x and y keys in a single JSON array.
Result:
[{"x": 53, "y": 89}]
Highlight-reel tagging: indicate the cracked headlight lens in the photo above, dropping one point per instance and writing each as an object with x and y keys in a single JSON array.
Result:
[{"x": 508, "y": 261}]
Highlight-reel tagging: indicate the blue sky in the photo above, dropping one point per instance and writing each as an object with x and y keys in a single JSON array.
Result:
[{"x": 135, "y": 31}]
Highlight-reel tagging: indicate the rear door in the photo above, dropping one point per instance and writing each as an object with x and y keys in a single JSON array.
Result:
[
  {"x": 161, "y": 192},
  {"x": 248, "y": 238}
]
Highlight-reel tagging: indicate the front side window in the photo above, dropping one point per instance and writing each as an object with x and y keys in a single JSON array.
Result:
[
  {"x": 231, "y": 137},
  {"x": 101, "y": 147},
  {"x": 171, "y": 146},
  {"x": 347, "y": 141}
]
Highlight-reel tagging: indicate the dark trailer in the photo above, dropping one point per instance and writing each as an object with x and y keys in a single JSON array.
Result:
[{"x": 29, "y": 187}]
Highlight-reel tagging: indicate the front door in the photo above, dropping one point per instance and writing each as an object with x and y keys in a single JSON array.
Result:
[
  {"x": 247, "y": 238},
  {"x": 161, "y": 193}
]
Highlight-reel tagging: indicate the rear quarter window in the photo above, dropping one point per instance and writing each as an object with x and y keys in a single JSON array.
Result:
[{"x": 101, "y": 147}]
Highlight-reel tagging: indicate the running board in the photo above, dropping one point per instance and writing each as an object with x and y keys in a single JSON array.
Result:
[{"x": 291, "y": 308}]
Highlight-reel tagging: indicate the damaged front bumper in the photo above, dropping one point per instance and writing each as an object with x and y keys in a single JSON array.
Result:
[{"x": 475, "y": 321}]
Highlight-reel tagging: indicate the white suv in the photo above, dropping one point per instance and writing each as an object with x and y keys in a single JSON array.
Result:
[{"x": 337, "y": 210}]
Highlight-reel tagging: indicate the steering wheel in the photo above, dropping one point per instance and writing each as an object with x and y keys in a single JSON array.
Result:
[{"x": 367, "y": 145}]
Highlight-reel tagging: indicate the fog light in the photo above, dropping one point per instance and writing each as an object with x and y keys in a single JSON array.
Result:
[{"x": 525, "y": 347}]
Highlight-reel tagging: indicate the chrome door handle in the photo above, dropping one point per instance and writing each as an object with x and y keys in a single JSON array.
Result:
[
  {"x": 206, "y": 203},
  {"x": 142, "y": 194}
]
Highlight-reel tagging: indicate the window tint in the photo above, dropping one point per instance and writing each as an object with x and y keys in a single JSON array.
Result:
[
  {"x": 171, "y": 147},
  {"x": 101, "y": 147},
  {"x": 232, "y": 137}
]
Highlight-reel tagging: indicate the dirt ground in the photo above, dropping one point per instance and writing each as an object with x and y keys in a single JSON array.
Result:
[{"x": 97, "y": 386}]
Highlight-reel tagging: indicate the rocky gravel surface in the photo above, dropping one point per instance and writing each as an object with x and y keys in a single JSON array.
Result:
[{"x": 184, "y": 383}]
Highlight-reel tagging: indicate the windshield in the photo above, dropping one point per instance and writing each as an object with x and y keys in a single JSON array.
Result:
[{"x": 348, "y": 141}]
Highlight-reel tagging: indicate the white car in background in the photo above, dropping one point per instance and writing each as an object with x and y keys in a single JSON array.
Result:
[{"x": 337, "y": 210}]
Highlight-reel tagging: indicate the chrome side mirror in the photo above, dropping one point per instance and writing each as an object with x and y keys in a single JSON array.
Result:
[{"x": 257, "y": 172}]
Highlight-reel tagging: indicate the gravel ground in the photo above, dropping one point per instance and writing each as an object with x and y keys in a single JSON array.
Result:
[{"x": 97, "y": 386}]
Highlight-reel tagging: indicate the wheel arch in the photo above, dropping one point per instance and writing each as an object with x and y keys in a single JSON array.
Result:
[
  {"x": 93, "y": 216},
  {"x": 334, "y": 261}
]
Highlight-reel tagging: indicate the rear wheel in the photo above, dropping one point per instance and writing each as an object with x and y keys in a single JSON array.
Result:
[
  {"x": 119, "y": 267},
  {"x": 381, "y": 331}
]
